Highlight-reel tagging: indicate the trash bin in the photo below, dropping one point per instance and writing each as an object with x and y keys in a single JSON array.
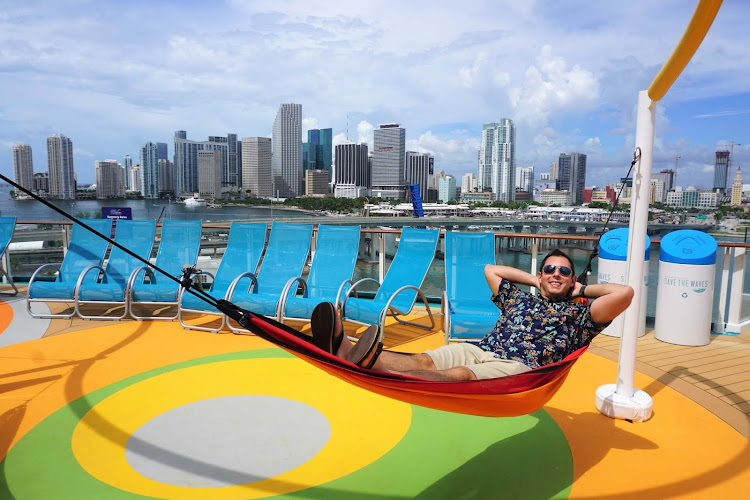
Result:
[
  {"x": 613, "y": 267},
  {"x": 685, "y": 292}
]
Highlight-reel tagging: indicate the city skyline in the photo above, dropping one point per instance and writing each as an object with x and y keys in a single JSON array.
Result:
[{"x": 566, "y": 73}]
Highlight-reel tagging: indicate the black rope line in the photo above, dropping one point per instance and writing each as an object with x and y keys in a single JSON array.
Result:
[
  {"x": 185, "y": 282},
  {"x": 584, "y": 276}
]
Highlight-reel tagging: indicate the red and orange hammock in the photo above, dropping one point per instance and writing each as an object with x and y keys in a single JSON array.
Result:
[{"x": 499, "y": 397}]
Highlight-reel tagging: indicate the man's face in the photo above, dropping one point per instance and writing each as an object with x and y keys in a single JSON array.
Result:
[{"x": 555, "y": 285}]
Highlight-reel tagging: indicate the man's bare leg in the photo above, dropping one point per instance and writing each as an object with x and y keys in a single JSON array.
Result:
[{"x": 416, "y": 365}]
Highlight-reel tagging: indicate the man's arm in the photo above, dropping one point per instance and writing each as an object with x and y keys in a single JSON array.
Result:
[
  {"x": 495, "y": 274},
  {"x": 611, "y": 300}
]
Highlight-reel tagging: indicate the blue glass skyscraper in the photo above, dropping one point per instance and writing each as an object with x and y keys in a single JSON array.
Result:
[{"x": 318, "y": 150}]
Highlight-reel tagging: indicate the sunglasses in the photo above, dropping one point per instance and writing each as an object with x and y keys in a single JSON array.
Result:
[{"x": 564, "y": 270}]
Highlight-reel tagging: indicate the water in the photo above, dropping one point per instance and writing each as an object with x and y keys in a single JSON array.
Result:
[{"x": 32, "y": 210}]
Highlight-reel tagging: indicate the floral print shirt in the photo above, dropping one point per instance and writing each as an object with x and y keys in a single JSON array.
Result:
[{"x": 537, "y": 331}]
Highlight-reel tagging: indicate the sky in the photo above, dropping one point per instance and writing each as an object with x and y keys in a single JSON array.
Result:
[{"x": 114, "y": 75}]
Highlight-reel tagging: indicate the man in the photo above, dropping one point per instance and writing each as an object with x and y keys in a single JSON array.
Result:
[{"x": 531, "y": 331}]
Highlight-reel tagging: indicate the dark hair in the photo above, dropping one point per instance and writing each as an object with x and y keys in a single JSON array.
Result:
[{"x": 557, "y": 253}]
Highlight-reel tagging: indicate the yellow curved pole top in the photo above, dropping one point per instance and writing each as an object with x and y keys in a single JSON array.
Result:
[{"x": 702, "y": 19}]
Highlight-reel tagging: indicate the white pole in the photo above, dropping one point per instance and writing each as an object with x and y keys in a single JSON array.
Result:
[{"x": 622, "y": 400}]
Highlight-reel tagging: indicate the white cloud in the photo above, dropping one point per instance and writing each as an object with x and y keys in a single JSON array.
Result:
[
  {"x": 550, "y": 87},
  {"x": 364, "y": 133},
  {"x": 592, "y": 145},
  {"x": 309, "y": 124}
]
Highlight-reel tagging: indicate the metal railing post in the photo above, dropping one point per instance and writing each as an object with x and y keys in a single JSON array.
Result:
[
  {"x": 723, "y": 290},
  {"x": 381, "y": 258},
  {"x": 534, "y": 252},
  {"x": 733, "y": 324}
]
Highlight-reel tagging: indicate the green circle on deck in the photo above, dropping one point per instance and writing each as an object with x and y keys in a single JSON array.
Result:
[{"x": 443, "y": 455}]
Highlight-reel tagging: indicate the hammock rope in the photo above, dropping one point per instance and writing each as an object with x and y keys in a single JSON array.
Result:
[{"x": 583, "y": 278}]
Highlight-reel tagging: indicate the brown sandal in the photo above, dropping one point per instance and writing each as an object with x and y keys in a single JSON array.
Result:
[
  {"x": 367, "y": 349},
  {"x": 322, "y": 324}
]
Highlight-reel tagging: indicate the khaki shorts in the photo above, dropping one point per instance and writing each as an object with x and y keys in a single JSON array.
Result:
[{"x": 483, "y": 363}]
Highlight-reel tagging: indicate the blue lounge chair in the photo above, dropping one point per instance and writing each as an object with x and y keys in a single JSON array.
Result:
[
  {"x": 85, "y": 249},
  {"x": 7, "y": 226},
  {"x": 401, "y": 286},
  {"x": 468, "y": 312},
  {"x": 330, "y": 273},
  {"x": 244, "y": 248},
  {"x": 138, "y": 237},
  {"x": 180, "y": 243},
  {"x": 285, "y": 257}
]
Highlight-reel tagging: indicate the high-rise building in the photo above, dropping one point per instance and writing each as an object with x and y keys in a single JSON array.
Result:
[
  {"x": 256, "y": 167},
  {"x": 497, "y": 160},
  {"x": 316, "y": 182},
  {"x": 553, "y": 171},
  {"x": 110, "y": 179},
  {"x": 484, "y": 169},
  {"x": 525, "y": 179},
  {"x": 166, "y": 178},
  {"x": 23, "y": 166},
  {"x": 209, "y": 173},
  {"x": 317, "y": 152},
  {"x": 162, "y": 151},
  {"x": 737, "y": 188},
  {"x": 41, "y": 183},
  {"x": 287, "y": 151},
  {"x": 353, "y": 170},
  {"x": 149, "y": 171},
  {"x": 468, "y": 183},
  {"x": 309, "y": 155},
  {"x": 135, "y": 179},
  {"x": 659, "y": 191},
  {"x": 572, "y": 175},
  {"x": 127, "y": 164},
  {"x": 447, "y": 189},
  {"x": 325, "y": 141},
  {"x": 185, "y": 163},
  {"x": 665, "y": 184},
  {"x": 234, "y": 162},
  {"x": 186, "y": 160},
  {"x": 389, "y": 141},
  {"x": 62, "y": 182},
  {"x": 667, "y": 176},
  {"x": 419, "y": 170},
  {"x": 721, "y": 171},
  {"x": 220, "y": 144}
]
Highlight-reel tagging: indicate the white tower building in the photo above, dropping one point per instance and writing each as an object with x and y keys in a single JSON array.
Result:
[{"x": 287, "y": 151}]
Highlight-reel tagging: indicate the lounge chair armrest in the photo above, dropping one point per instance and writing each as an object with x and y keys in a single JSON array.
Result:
[
  {"x": 293, "y": 282},
  {"x": 354, "y": 287},
  {"x": 39, "y": 270},
  {"x": 81, "y": 277},
  {"x": 388, "y": 307},
  {"x": 403, "y": 289},
  {"x": 134, "y": 276},
  {"x": 342, "y": 287},
  {"x": 235, "y": 282},
  {"x": 445, "y": 310}
]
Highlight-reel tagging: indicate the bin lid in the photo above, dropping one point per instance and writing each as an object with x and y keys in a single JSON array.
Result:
[
  {"x": 613, "y": 245},
  {"x": 688, "y": 246}
]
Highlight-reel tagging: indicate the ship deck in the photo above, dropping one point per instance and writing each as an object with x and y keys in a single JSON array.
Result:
[{"x": 93, "y": 409}]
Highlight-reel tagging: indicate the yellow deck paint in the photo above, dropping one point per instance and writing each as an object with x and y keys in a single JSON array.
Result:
[{"x": 357, "y": 431}]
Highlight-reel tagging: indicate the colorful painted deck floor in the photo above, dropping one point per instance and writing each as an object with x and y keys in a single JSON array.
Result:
[{"x": 132, "y": 410}]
